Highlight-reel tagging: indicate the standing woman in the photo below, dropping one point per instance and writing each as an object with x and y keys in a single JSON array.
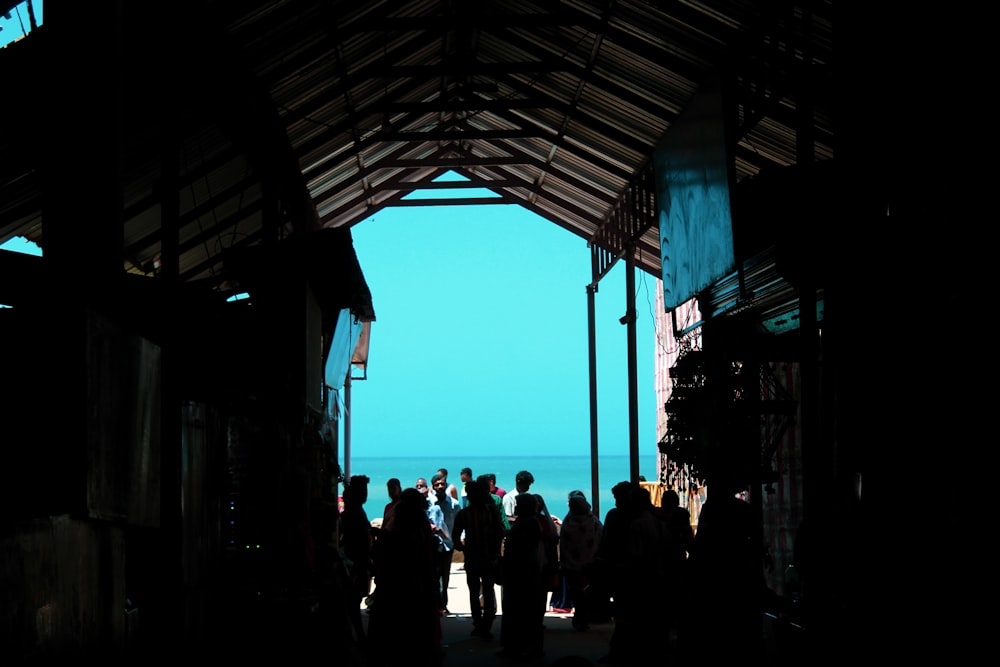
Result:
[
  {"x": 579, "y": 541},
  {"x": 524, "y": 591},
  {"x": 405, "y": 626},
  {"x": 550, "y": 552}
]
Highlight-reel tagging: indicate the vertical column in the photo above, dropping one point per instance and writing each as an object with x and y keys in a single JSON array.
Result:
[
  {"x": 633, "y": 390},
  {"x": 347, "y": 424},
  {"x": 595, "y": 484}
]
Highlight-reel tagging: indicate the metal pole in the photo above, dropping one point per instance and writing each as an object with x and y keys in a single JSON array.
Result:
[
  {"x": 595, "y": 485},
  {"x": 347, "y": 425},
  {"x": 633, "y": 390}
]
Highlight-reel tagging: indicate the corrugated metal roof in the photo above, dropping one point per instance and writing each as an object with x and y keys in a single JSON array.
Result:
[{"x": 556, "y": 106}]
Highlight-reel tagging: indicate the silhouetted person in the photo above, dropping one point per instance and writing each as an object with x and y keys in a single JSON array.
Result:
[
  {"x": 727, "y": 578},
  {"x": 333, "y": 580},
  {"x": 524, "y": 593},
  {"x": 678, "y": 520},
  {"x": 405, "y": 625},
  {"x": 550, "y": 548},
  {"x": 648, "y": 546},
  {"x": 395, "y": 489},
  {"x": 638, "y": 589},
  {"x": 479, "y": 535},
  {"x": 491, "y": 482},
  {"x": 356, "y": 545},
  {"x": 579, "y": 541},
  {"x": 680, "y": 541},
  {"x": 611, "y": 554},
  {"x": 522, "y": 484},
  {"x": 465, "y": 474}
]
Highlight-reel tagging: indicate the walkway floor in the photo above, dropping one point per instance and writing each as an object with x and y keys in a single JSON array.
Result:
[{"x": 463, "y": 650}]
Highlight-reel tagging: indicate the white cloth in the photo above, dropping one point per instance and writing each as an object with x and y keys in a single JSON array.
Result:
[
  {"x": 509, "y": 503},
  {"x": 443, "y": 516}
]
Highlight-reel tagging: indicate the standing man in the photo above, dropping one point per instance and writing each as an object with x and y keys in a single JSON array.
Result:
[
  {"x": 395, "y": 489},
  {"x": 465, "y": 474},
  {"x": 451, "y": 488},
  {"x": 494, "y": 489},
  {"x": 522, "y": 483},
  {"x": 435, "y": 516},
  {"x": 356, "y": 548},
  {"x": 480, "y": 534},
  {"x": 449, "y": 507},
  {"x": 490, "y": 480}
]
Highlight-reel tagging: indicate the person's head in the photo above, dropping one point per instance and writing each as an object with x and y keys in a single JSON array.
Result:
[
  {"x": 621, "y": 491},
  {"x": 465, "y": 474},
  {"x": 577, "y": 502},
  {"x": 356, "y": 490},
  {"x": 640, "y": 499},
  {"x": 439, "y": 484},
  {"x": 443, "y": 472},
  {"x": 478, "y": 490},
  {"x": 394, "y": 487},
  {"x": 486, "y": 482},
  {"x": 523, "y": 481},
  {"x": 412, "y": 509},
  {"x": 525, "y": 505},
  {"x": 421, "y": 485},
  {"x": 491, "y": 479},
  {"x": 670, "y": 499}
]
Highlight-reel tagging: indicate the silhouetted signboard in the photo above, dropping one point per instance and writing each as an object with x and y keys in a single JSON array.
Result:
[{"x": 693, "y": 176}]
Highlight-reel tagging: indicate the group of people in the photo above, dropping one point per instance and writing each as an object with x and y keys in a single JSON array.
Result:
[
  {"x": 676, "y": 592},
  {"x": 635, "y": 567}
]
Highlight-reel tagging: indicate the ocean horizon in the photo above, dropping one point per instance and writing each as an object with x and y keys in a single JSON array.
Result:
[{"x": 555, "y": 476}]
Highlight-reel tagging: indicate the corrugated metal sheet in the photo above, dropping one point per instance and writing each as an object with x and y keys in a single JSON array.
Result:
[{"x": 556, "y": 105}]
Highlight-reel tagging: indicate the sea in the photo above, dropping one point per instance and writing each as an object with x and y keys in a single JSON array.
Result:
[{"x": 555, "y": 476}]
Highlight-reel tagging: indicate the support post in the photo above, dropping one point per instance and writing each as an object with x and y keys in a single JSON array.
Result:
[
  {"x": 347, "y": 424},
  {"x": 633, "y": 390},
  {"x": 595, "y": 485}
]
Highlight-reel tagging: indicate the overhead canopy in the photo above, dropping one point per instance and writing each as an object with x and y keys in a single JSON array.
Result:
[{"x": 282, "y": 116}]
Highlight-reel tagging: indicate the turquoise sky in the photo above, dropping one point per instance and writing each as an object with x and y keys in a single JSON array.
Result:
[{"x": 480, "y": 339}]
